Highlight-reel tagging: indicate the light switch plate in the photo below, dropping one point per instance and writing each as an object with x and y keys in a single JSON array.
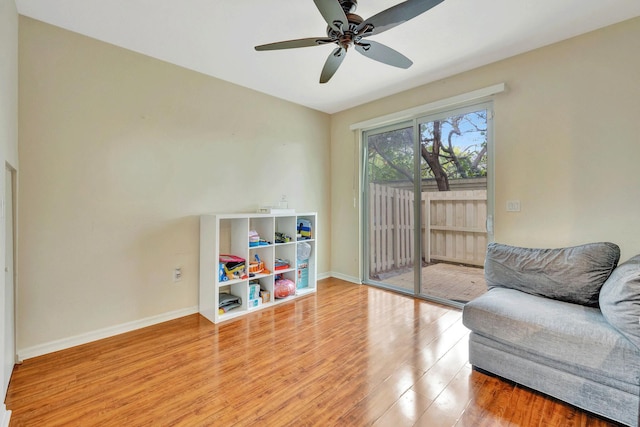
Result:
[{"x": 513, "y": 205}]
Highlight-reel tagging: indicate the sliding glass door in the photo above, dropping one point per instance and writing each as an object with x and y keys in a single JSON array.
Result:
[
  {"x": 390, "y": 244},
  {"x": 426, "y": 211}
]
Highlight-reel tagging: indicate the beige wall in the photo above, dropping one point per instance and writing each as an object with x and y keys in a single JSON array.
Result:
[
  {"x": 567, "y": 144},
  {"x": 8, "y": 155},
  {"x": 9, "y": 82},
  {"x": 120, "y": 153}
]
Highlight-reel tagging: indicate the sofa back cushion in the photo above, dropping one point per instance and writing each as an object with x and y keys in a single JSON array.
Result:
[
  {"x": 620, "y": 299},
  {"x": 573, "y": 274}
]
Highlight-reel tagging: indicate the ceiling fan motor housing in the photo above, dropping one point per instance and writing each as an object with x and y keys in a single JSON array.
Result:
[{"x": 348, "y": 35}]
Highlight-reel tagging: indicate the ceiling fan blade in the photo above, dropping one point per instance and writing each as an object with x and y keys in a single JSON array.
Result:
[
  {"x": 384, "y": 54},
  {"x": 333, "y": 13},
  {"x": 290, "y": 44},
  {"x": 395, "y": 15},
  {"x": 331, "y": 65}
]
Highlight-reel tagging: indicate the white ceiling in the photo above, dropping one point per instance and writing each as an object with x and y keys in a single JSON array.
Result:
[{"x": 216, "y": 37}]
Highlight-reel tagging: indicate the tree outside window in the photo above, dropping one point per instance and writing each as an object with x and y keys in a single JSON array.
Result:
[{"x": 452, "y": 148}]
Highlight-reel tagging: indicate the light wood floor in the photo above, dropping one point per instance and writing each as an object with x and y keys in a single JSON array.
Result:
[{"x": 348, "y": 356}]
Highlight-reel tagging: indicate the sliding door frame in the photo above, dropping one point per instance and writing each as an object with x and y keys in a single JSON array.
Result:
[{"x": 415, "y": 121}]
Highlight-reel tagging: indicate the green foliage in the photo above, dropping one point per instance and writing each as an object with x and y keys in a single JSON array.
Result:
[
  {"x": 457, "y": 144},
  {"x": 391, "y": 155}
]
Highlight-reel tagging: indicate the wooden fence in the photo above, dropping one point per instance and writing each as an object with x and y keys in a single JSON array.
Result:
[{"x": 453, "y": 227}]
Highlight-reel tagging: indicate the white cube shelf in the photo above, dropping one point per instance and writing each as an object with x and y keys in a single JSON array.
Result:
[{"x": 228, "y": 234}]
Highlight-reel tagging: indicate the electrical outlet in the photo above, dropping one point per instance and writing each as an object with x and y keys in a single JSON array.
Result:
[{"x": 177, "y": 274}]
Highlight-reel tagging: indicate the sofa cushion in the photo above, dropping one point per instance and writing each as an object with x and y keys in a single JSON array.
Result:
[
  {"x": 573, "y": 274},
  {"x": 569, "y": 337},
  {"x": 620, "y": 299}
]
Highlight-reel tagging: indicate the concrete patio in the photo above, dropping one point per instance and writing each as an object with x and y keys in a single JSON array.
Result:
[{"x": 454, "y": 282}]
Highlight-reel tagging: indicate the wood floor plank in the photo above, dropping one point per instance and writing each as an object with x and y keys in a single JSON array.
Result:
[
  {"x": 451, "y": 402},
  {"x": 376, "y": 403},
  {"x": 488, "y": 405},
  {"x": 405, "y": 411},
  {"x": 349, "y": 355}
]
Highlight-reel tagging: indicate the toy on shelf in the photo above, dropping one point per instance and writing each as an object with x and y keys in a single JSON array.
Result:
[
  {"x": 254, "y": 238},
  {"x": 282, "y": 237},
  {"x": 256, "y": 266},
  {"x": 281, "y": 264},
  {"x": 265, "y": 295},
  {"x": 231, "y": 267},
  {"x": 304, "y": 229},
  {"x": 303, "y": 254},
  {"x": 284, "y": 288},
  {"x": 228, "y": 302},
  {"x": 254, "y": 294}
]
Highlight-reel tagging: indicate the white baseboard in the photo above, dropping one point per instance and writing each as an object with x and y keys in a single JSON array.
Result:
[
  {"x": 346, "y": 278},
  {"x": 5, "y": 416},
  {"x": 64, "y": 343}
]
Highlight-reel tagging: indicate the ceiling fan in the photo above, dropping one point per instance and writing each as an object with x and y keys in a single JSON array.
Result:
[{"x": 347, "y": 29}]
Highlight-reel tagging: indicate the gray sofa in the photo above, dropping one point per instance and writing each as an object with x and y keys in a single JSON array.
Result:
[{"x": 564, "y": 322}]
